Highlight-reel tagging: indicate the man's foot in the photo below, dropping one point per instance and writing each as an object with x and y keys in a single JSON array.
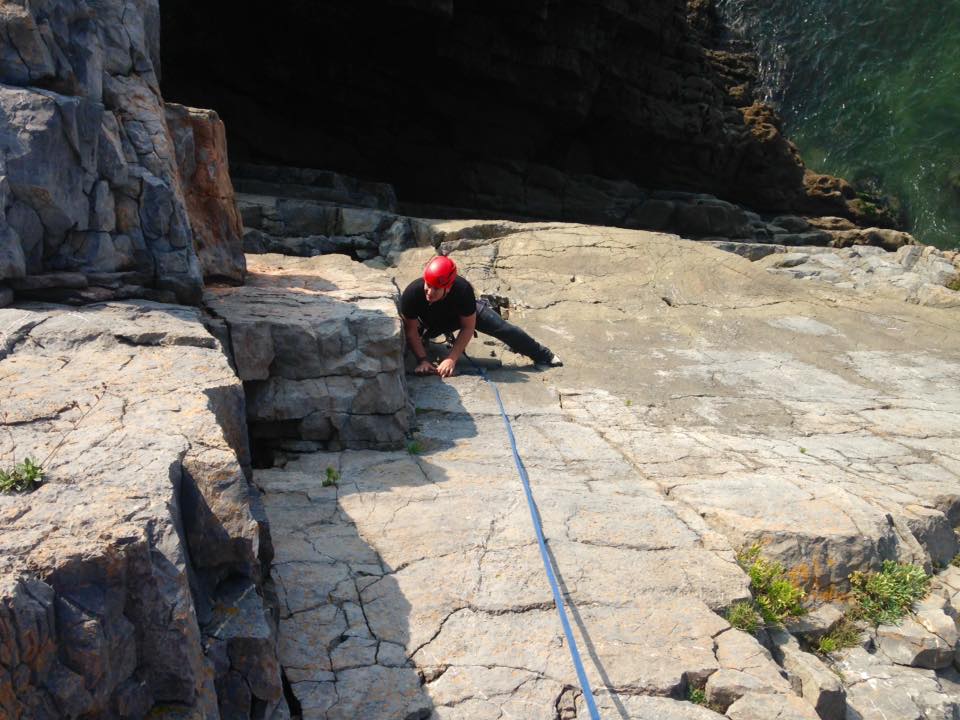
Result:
[{"x": 549, "y": 360}]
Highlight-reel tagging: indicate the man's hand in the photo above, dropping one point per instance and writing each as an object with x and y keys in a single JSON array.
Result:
[
  {"x": 425, "y": 368},
  {"x": 445, "y": 369}
]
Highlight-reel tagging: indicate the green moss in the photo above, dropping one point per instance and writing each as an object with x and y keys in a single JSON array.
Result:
[
  {"x": 886, "y": 596},
  {"x": 23, "y": 477},
  {"x": 698, "y": 696},
  {"x": 954, "y": 284}
]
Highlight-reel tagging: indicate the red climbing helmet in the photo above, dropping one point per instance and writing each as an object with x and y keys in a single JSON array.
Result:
[{"x": 440, "y": 272}]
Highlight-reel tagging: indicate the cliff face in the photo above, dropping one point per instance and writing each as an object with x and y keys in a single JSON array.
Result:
[
  {"x": 89, "y": 177},
  {"x": 506, "y": 107}
]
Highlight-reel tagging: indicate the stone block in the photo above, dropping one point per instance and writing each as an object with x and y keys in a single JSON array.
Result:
[
  {"x": 809, "y": 677},
  {"x": 753, "y": 706},
  {"x": 54, "y": 141},
  {"x": 103, "y": 215},
  {"x": 13, "y": 263},
  {"x": 653, "y": 214},
  {"x": 359, "y": 221},
  {"x": 911, "y": 643},
  {"x": 792, "y": 223},
  {"x": 319, "y": 342},
  {"x": 725, "y": 687},
  {"x": 25, "y": 221}
]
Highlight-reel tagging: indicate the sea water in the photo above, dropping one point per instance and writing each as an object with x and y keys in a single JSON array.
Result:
[{"x": 869, "y": 90}]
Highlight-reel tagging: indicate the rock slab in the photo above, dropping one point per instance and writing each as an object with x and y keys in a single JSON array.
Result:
[{"x": 112, "y": 571}]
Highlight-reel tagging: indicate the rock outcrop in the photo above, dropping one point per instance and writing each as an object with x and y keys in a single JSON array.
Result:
[
  {"x": 90, "y": 172},
  {"x": 318, "y": 345},
  {"x": 132, "y": 579},
  {"x": 201, "y": 145}
]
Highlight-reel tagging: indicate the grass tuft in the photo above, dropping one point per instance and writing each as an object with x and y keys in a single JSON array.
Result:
[
  {"x": 954, "y": 284},
  {"x": 415, "y": 447},
  {"x": 698, "y": 696},
  {"x": 23, "y": 477},
  {"x": 886, "y": 596},
  {"x": 846, "y": 634},
  {"x": 743, "y": 616},
  {"x": 332, "y": 477},
  {"x": 775, "y": 595}
]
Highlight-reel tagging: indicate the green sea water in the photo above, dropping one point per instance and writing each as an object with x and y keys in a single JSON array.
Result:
[{"x": 868, "y": 90}]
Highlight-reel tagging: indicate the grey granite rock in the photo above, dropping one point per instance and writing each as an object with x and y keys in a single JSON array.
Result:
[
  {"x": 110, "y": 570},
  {"x": 878, "y": 689},
  {"x": 912, "y": 643},
  {"x": 319, "y": 343},
  {"x": 809, "y": 677}
]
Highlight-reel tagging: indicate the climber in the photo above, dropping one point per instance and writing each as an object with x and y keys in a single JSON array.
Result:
[{"x": 441, "y": 302}]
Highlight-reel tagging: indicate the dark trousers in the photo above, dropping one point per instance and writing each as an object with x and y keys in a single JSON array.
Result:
[{"x": 490, "y": 323}]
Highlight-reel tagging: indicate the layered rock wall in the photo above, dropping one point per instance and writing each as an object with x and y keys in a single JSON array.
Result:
[{"x": 89, "y": 178}]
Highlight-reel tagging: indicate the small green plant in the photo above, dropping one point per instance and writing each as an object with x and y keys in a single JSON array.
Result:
[
  {"x": 698, "y": 696},
  {"x": 25, "y": 476},
  {"x": 628, "y": 402},
  {"x": 332, "y": 477},
  {"x": 845, "y": 634},
  {"x": 776, "y": 597},
  {"x": 954, "y": 284},
  {"x": 414, "y": 447},
  {"x": 956, "y": 560},
  {"x": 743, "y": 616},
  {"x": 886, "y": 596},
  {"x": 803, "y": 451}
]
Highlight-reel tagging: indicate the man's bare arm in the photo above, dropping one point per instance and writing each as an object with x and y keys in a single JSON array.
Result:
[
  {"x": 467, "y": 325},
  {"x": 411, "y": 329}
]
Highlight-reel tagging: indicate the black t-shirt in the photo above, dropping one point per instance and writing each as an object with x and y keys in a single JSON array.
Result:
[{"x": 443, "y": 315}]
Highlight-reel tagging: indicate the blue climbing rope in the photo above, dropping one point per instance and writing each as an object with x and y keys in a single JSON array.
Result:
[{"x": 547, "y": 564}]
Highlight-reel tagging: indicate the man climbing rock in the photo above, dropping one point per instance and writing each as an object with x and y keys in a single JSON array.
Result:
[{"x": 441, "y": 302}]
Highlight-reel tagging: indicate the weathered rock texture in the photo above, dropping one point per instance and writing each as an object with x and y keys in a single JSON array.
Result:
[
  {"x": 130, "y": 580},
  {"x": 425, "y": 565},
  {"x": 318, "y": 344},
  {"x": 914, "y": 273},
  {"x": 548, "y": 110},
  {"x": 705, "y": 404},
  {"x": 201, "y": 146},
  {"x": 89, "y": 179}
]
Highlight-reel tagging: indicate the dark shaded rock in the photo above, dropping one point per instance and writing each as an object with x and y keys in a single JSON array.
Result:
[{"x": 510, "y": 110}]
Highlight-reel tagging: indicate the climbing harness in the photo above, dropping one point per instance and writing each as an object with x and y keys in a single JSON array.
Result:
[{"x": 541, "y": 541}]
